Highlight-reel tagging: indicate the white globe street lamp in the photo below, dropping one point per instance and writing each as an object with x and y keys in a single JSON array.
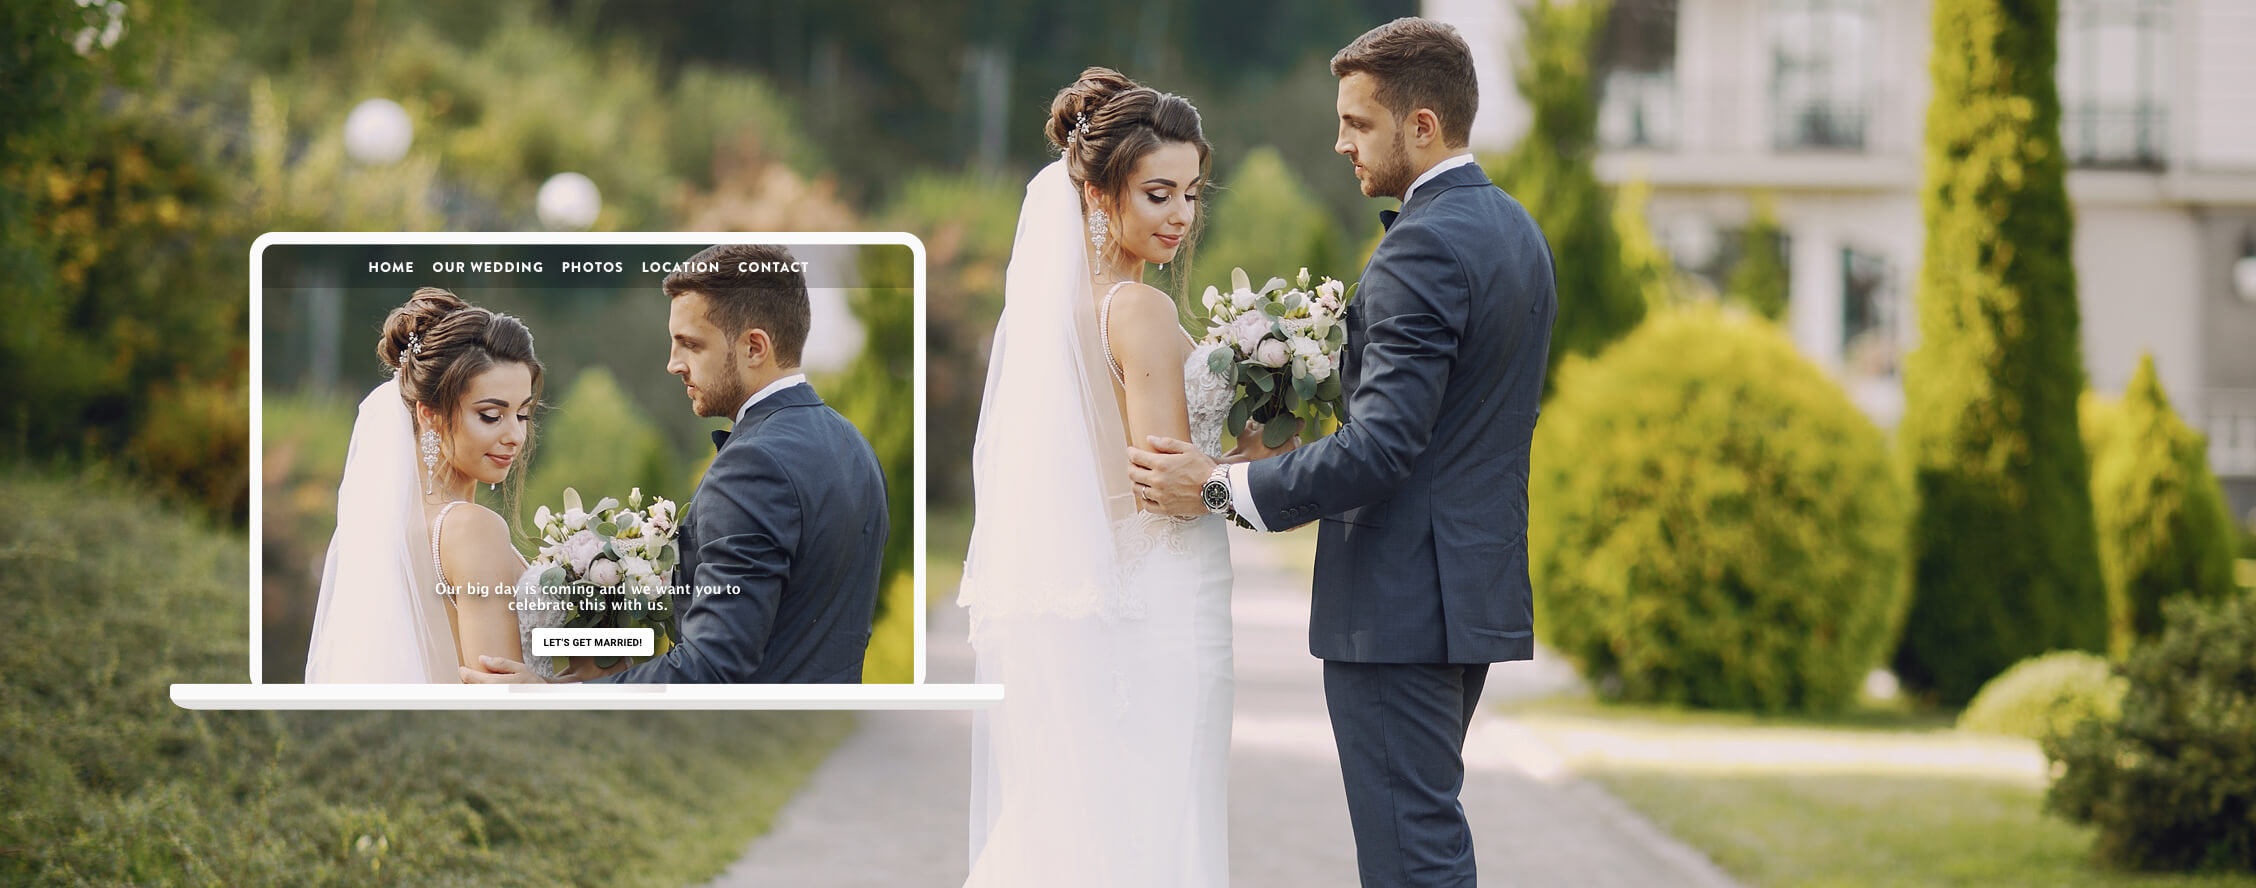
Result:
[
  {"x": 378, "y": 132},
  {"x": 2244, "y": 270},
  {"x": 568, "y": 201}
]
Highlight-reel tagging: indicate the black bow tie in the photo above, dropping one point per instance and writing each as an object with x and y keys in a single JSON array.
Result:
[
  {"x": 1386, "y": 219},
  {"x": 720, "y": 437}
]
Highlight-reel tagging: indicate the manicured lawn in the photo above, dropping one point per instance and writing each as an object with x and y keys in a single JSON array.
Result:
[
  {"x": 1869, "y": 798},
  {"x": 112, "y": 597}
]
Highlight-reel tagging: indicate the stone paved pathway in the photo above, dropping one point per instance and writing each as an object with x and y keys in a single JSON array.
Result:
[{"x": 887, "y": 808}]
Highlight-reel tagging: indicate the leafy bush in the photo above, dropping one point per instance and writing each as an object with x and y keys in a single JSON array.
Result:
[
  {"x": 2172, "y": 784},
  {"x": 2045, "y": 696},
  {"x": 113, "y": 599},
  {"x": 1713, "y": 522},
  {"x": 194, "y": 444},
  {"x": 2164, "y": 527},
  {"x": 2005, "y": 564}
]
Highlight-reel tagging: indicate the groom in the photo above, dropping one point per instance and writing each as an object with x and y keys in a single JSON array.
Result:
[
  {"x": 1421, "y": 560},
  {"x": 791, "y": 514}
]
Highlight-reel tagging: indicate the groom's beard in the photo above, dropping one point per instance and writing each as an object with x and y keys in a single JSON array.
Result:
[
  {"x": 720, "y": 399},
  {"x": 1390, "y": 176}
]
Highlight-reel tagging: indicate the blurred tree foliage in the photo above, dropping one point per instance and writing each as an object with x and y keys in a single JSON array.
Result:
[
  {"x": 2164, "y": 528},
  {"x": 1719, "y": 525},
  {"x": 878, "y": 394},
  {"x": 119, "y": 264},
  {"x": 2005, "y": 556},
  {"x": 1550, "y": 172},
  {"x": 1758, "y": 279},
  {"x": 597, "y": 441},
  {"x": 964, "y": 84},
  {"x": 967, "y": 223},
  {"x": 1265, "y": 220},
  {"x": 1647, "y": 264}
]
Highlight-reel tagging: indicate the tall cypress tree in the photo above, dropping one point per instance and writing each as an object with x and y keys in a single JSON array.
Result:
[
  {"x": 2005, "y": 561},
  {"x": 1550, "y": 172}
]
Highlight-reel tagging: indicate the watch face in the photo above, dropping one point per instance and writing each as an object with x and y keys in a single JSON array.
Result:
[{"x": 1217, "y": 495}]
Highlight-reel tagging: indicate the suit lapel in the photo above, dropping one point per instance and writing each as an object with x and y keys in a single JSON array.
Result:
[{"x": 1351, "y": 365}]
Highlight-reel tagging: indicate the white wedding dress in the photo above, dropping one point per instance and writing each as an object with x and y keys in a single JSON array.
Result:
[{"x": 1107, "y": 762}]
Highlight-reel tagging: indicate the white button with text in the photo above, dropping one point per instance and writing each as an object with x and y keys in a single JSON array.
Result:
[{"x": 593, "y": 642}]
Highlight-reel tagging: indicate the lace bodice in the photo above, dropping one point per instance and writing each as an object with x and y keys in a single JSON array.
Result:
[{"x": 1207, "y": 396}]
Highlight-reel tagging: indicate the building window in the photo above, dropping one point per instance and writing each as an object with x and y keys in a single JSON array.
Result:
[
  {"x": 1869, "y": 311},
  {"x": 2113, "y": 66},
  {"x": 1636, "y": 61},
  {"x": 1821, "y": 73}
]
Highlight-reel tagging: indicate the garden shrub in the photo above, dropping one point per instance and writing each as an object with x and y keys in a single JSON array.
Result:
[
  {"x": 1713, "y": 522},
  {"x": 2164, "y": 527},
  {"x": 2045, "y": 696},
  {"x": 2171, "y": 785}
]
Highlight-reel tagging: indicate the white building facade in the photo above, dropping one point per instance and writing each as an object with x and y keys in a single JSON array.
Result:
[{"x": 1820, "y": 105}]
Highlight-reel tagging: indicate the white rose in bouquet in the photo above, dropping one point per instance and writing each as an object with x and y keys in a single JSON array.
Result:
[
  {"x": 1271, "y": 353},
  {"x": 604, "y": 573},
  {"x": 580, "y": 550},
  {"x": 1248, "y": 330}
]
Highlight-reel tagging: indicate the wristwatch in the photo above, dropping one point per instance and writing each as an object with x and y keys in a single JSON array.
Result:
[{"x": 1216, "y": 494}]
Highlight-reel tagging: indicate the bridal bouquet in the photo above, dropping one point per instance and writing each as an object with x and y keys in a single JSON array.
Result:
[
  {"x": 1283, "y": 342},
  {"x": 608, "y": 565}
]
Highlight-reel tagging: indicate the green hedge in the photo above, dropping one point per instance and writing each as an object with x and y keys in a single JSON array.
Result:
[
  {"x": 2172, "y": 784},
  {"x": 112, "y": 599},
  {"x": 2164, "y": 527},
  {"x": 2046, "y": 696},
  {"x": 1713, "y": 522}
]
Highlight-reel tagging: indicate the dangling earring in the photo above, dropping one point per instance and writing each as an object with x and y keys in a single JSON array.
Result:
[
  {"x": 430, "y": 461},
  {"x": 1099, "y": 226}
]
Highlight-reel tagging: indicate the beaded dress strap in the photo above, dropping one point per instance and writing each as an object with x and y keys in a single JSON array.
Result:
[{"x": 438, "y": 569}]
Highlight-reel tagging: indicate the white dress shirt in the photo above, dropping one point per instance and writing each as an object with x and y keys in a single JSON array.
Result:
[
  {"x": 771, "y": 388},
  {"x": 1241, "y": 493}
]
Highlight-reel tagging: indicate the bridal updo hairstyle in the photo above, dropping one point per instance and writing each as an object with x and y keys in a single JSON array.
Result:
[
  {"x": 1126, "y": 120},
  {"x": 460, "y": 341}
]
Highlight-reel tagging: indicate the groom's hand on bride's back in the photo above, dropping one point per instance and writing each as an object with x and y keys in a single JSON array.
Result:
[{"x": 1167, "y": 475}]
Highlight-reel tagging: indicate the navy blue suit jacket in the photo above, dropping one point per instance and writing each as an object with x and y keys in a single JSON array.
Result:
[
  {"x": 1422, "y": 553},
  {"x": 792, "y": 512}
]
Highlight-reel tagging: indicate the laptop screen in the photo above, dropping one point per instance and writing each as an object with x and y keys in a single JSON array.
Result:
[{"x": 648, "y": 459}]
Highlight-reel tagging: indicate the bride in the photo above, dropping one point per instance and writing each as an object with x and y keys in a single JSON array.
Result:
[
  {"x": 1108, "y": 626},
  {"x": 397, "y": 593}
]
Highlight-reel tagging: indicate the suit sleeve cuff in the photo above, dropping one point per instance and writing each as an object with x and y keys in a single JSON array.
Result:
[{"x": 1241, "y": 496}]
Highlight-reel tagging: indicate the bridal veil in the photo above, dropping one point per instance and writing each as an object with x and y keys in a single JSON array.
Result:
[{"x": 380, "y": 618}]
